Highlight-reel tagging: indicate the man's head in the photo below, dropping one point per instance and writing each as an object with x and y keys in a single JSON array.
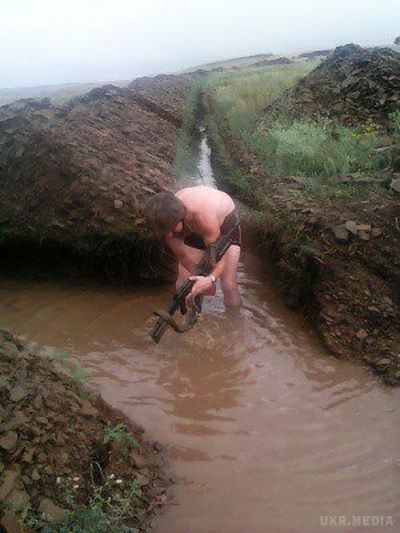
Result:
[{"x": 163, "y": 212}]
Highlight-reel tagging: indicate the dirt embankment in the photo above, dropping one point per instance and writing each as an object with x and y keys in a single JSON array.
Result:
[
  {"x": 314, "y": 53},
  {"x": 61, "y": 448},
  {"x": 339, "y": 258},
  {"x": 276, "y": 61},
  {"x": 73, "y": 179},
  {"x": 353, "y": 85}
]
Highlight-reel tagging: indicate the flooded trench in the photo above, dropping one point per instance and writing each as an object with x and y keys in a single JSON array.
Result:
[{"x": 265, "y": 431}]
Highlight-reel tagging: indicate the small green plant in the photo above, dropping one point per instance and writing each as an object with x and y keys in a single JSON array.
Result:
[
  {"x": 27, "y": 518},
  {"x": 119, "y": 434},
  {"x": 57, "y": 354},
  {"x": 111, "y": 502},
  {"x": 394, "y": 119},
  {"x": 34, "y": 348},
  {"x": 108, "y": 507},
  {"x": 121, "y": 503},
  {"x": 76, "y": 377},
  {"x": 78, "y": 374},
  {"x": 84, "y": 519}
]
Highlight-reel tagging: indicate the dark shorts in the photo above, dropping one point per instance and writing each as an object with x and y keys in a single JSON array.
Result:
[{"x": 231, "y": 225}]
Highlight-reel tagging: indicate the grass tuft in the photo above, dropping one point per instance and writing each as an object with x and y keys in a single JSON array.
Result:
[{"x": 320, "y": 150}]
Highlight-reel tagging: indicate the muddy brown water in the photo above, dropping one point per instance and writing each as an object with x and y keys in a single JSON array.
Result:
[{"x": 265, "y": 431}]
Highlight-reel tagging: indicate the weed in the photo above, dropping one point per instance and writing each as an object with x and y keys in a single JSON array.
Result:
[
  {"x": 34, "y": 348},
  {"x": 83, "y": 519},
  {"x": 77, "y": 377},
  {"x": 119, "y": 434},
  {"x": 78, "y": 374},
  {"x": 57, "y": 354},
  {"x": 394, "y": 119},
  {"x": 107, "y": 509}
]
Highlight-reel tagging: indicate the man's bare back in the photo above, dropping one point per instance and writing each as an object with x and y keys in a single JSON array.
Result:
[
  {"x": 205, "y": 203},
  {"x": 199, "y": 212}
]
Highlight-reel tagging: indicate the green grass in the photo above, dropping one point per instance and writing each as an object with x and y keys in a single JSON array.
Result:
[
  {"x": 318, "y": 149},
  {"x": 244, "y": 96},
  {"x": 395, "y": 123},
  {"x": 119, "y": 434},
  {"x": 324, "y": 149},
  {"x": 59, "y": 354}
]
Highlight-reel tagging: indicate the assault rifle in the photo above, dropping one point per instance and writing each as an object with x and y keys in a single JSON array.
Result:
[{"x": 179, "y": 298}]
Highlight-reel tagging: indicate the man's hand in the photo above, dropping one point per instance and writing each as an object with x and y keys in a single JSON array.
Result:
[{"x": 201, "y": 286}]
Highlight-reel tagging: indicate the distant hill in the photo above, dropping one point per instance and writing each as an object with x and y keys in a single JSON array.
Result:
[
  {"x": 231, "y": 63},
  {"x": 57, "y": 93}
]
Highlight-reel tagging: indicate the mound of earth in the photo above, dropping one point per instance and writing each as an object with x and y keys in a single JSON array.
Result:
[
  {"x": 164, "y": 94},
  {"x": 73, "y": 179},
  {"x": 276, "y": 61},
  {"x": 315, "y": 53},
  {"x": 353, "y": 85},
  {"x": 53, "y": 454}
]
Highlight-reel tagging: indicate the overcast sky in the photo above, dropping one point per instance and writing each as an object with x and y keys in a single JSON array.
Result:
[{"x": 56, "y": 41}]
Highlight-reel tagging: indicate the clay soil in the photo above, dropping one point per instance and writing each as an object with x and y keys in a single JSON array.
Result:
[{"x": 52, "y": 444}]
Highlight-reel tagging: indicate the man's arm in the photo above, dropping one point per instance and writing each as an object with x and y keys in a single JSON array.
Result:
[{"x": 181, "y": 253}]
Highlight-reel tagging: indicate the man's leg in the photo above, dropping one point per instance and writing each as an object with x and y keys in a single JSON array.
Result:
[{"x": 229, "y": 281}]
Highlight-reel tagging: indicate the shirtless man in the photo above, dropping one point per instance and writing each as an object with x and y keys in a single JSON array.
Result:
[{"x": 190, "y": 222}]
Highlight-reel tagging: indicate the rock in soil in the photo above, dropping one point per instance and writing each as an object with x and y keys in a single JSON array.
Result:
[
  {"x": 55, "y": 513},
  {"x": 11, "y": 524},
  {"x": 395, "y": 185},
  {"x": 351, "y": 226},
  {"x": 341, "y": 233},
  {"x": 9, "y": 441}
]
